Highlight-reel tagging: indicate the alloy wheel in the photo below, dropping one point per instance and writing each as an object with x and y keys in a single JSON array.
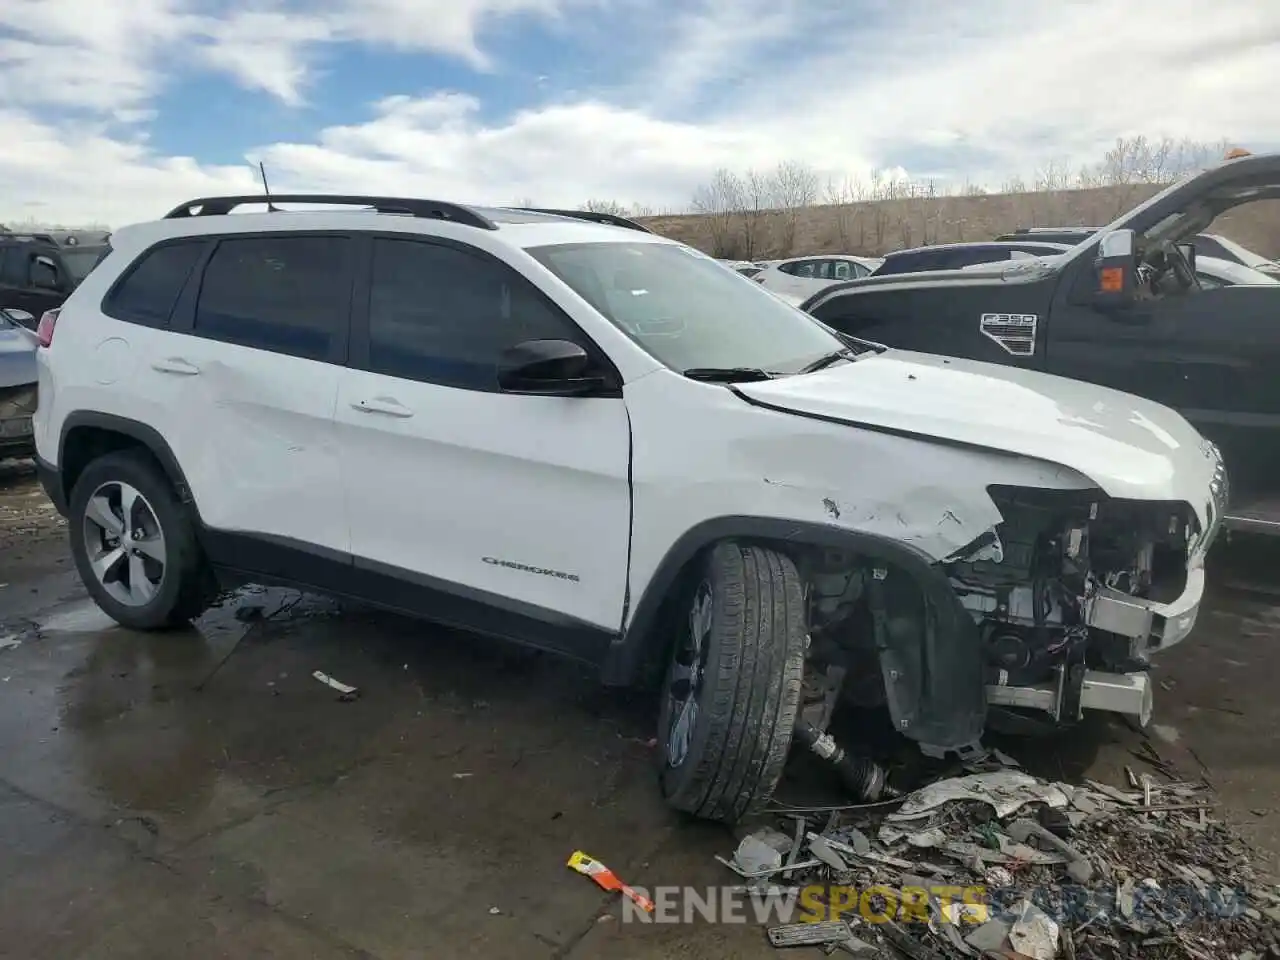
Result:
[
  {"x": 687, "y": 672},
  {"x": 124, "y": 543}
]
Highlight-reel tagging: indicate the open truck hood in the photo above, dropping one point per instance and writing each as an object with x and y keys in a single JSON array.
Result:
[{"x": 1130, "y": 447}]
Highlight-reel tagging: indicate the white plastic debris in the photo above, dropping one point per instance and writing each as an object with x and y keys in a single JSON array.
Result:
[
  {"x": 1034, "y": 934},
  {"x": 348, "y": 692},
  {"x": 1006, "y": 791},
  {"x": 756, "y": 856},
  {"x": 989, "y": 938},
  {"x": 934, "y": 837}
]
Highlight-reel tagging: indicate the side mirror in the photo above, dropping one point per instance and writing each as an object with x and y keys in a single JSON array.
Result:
[
  {"x": 1115, "y": 270},
  {"x": 1188, "y": 251},
  {"x": 552, "y": 368}
]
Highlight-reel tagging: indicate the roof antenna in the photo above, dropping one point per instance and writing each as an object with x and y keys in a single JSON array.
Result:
[{"x": 266, "y": 189}]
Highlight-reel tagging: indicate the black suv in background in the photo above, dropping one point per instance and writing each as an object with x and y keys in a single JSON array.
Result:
[{"x": 39, "y": 270}]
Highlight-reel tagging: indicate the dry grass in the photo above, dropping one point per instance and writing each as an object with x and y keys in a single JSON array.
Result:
[{"x": 878, "y": 227}]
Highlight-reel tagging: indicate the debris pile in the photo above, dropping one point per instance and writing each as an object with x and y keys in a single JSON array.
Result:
[{"x": 998, "y": 863}]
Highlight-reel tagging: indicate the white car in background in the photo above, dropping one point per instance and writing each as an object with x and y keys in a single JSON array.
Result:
[{"x": 805, "y": 276}]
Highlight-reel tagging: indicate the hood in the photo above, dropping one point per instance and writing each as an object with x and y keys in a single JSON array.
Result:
[
  {"x": 1130, "y": 447},
  {"x": 1030, "y": 270},
  {"x": 17, "y": 355}
]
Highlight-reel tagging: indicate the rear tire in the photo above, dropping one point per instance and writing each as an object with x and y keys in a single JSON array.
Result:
[
  {"x": 732, "y": 689},
  {"x": 135, "y": 545}
]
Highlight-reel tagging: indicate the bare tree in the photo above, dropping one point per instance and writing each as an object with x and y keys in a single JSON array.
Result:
[
  {"x": 720, "y": 202},
  {"x": 757, "y": 201},
  {"x": 932, "y": 204},
  {"x": 795, "y": 186},
  {"x": 848, "y": 202},
  {"x": 744, "y": 213},
  {"x": 881, "y": 191},
  {"x": 606, "y": 206}
]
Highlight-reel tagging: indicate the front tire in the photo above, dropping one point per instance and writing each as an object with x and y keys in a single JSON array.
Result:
[
  {"x": 135, "y": 545},
  {"x": 732, "y": 689}
]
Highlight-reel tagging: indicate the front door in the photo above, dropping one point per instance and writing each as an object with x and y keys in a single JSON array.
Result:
[
  {"x": 1210, "y": 354},
  {"x": 506, "y": 513}
]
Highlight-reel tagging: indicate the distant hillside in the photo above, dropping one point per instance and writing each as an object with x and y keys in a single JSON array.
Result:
[{"x": 877, "y": 227}]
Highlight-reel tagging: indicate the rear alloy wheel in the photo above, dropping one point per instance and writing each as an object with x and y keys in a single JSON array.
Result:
[
  {"x": 134, "y": 544},
  {"x": 124, "y": 543},
  {"x": 733, "y": 684}
]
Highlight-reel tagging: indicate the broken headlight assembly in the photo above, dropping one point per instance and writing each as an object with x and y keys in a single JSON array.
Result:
[{"x": 1067, "y": 579}]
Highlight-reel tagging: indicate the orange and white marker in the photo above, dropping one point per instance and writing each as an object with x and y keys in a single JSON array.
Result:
[{"x": 607, "y": 879}]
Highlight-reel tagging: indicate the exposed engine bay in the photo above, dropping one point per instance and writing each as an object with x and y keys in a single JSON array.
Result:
[
  {"x": 1028, "y": 585},
  {"x": 1042, "y": 589}
]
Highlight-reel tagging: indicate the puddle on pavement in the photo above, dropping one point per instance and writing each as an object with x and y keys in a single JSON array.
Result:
[{"x": 84, "y": 616}]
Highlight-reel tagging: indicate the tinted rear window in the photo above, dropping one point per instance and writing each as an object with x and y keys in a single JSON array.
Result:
[
  {"x": 149, "y": 291},
  {"x": 287, "y": 294}
]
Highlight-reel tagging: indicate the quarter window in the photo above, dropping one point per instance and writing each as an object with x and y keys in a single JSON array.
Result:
[
  {"x": 287, "y": 294},
  {"x": 151, "y": 288},
  {"x": 442, "y": 315}
]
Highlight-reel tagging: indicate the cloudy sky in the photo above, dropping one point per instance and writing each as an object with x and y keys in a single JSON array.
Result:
[{"x": 115, "y": 110}]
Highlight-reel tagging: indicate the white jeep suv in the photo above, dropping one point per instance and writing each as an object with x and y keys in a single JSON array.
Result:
[{"x": 597, "y": 441}]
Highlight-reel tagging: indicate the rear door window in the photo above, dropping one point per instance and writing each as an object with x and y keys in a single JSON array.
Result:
[
  {"x": 288, "y": 294},
  {"x": 150, "y": 289}
]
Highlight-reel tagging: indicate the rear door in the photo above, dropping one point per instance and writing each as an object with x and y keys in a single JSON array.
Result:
[{"x": 245, "y": 381}]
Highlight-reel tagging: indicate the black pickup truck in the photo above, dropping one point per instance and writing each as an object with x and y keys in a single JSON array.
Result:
[{"x": 1123, "y": 309}]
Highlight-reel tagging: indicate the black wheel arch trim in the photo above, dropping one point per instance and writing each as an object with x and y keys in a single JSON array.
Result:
[
  {"x": 147, "y": 436},
  {"x": 948, "y": 704}
]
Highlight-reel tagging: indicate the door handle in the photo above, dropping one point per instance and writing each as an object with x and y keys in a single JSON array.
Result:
[
  {"x": 384, "y": 405},
  {"x": 182, "y": 368}
]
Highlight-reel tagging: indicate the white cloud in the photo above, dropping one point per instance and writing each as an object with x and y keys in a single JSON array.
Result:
[
  {"x": 265, "y": 50},
  {"x": 79, "y": 53},
  {"x": 1002, "y": 85}
]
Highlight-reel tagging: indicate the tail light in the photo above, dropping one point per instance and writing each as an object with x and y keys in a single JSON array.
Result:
[{"x": 44, "y": 331}]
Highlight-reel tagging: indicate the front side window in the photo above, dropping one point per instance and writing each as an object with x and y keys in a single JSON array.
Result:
[
  {"x": 442, "y": 315},
  {"x": 287, "y": 294},
  {"x": 686, "y": 310}
]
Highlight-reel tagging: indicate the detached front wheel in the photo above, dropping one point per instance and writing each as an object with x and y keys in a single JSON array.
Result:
[{"x": 733, "y": 685}]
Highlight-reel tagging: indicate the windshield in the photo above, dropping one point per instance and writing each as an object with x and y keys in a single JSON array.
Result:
[
  {"x": 686, "y": 309},
  {"x": 80, "y": 262}
]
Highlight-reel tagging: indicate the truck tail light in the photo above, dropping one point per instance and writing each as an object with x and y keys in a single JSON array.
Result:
[{"x": 44, "y": 331}]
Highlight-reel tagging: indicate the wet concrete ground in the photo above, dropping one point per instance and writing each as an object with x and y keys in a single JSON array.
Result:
[{"x": 199, "y": 794}]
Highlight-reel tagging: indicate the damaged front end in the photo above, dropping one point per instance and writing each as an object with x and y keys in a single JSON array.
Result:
[
  {"x": 1056, "y": 610},
  {"x": 1074, "y": 592}
]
